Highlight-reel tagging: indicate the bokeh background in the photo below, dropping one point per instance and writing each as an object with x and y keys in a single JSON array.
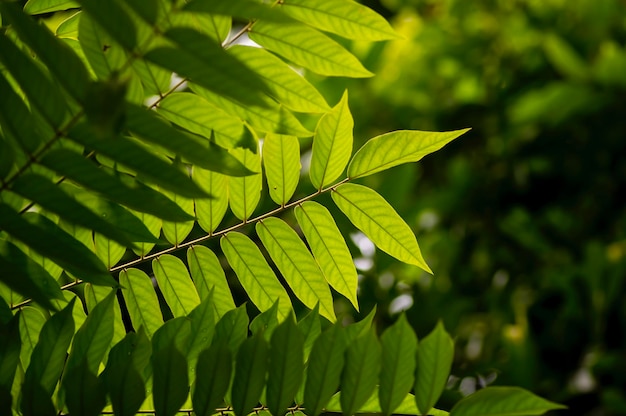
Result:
[{"x": 523, "y": 219}]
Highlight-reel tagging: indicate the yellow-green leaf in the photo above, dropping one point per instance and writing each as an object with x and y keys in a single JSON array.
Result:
[
  {"x": 329, "y": 248},
  {"x": 371, "y": 214},
  {"x": 141, "y": 300},
  {"x": 306, "y": 47},
  {"x": 398, "y": 147},
  {"x": 281, "y": 159},
  {"x": 296, "y": 264},
  {"x": 332, "y": 144},
  {"x": 345, "y": 18},
  {"x": 503, "y": 401},
  {"x": 210, "y": 211},
  {"x": 245, "y": 192},
  {"x": 255, "y": 275},
  {"x": 176, "y": 285},
  {"x": 176, "y": 232}
]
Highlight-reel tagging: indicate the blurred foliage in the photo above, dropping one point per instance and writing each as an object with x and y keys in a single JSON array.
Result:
[{"x": 523, "y": 219}]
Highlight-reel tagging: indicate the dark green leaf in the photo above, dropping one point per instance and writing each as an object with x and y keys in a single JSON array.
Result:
[
  {"x": 360, "y": 374},
  {"x": 114, "y": 19},
  {"x": 266, "y": 322},
  {"x": 59, "y": 58},
  {"x": 49, "y": 240},
  {"x": 249, "y": 379},
  {"x": 215, "y": 367},
  {"x": 9, "y": 353},
  {"x": 311, "y": 328},
  {"x": 130, "y": 193},
  {"x": 147, "y": 9},
  {"x": 286, "y": 366},
  {"x": 170, "y": 385},
  {"x": 202, "y": 330},
  {"x": 434, "y": 360},
  {"x": 358, "y": 329},
  {"x": 96, "y": 294},
  {"x": 324, "y": 369},
  {"x": 84, "y": 392},
  {"x": 502, "y": 401},
  {"x": 25, "y": 276},
  {"x": 7, "y": 158},
  {"x": 152, "y": 128},
  {"x": 232, "y": 328},
  {"x": 244, "y": 9},
  {"x": 399, "y": 346}
]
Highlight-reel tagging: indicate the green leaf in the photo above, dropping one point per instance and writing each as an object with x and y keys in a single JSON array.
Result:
[
  {"x": 398, "y": 147},
  {"x": 360, "y": 328},
  {"x": 23, "y": 275},
  {"x": 360, "y": 374},
  {"x": 112, "y": 17},
  {"x": 9, "y": 353},
  {"x": 311, "y": 328},
  {"x": 286, "y": 86},
  {"x": 49, "y": 196},
  {"x": 329, "y": 248},
  {"x": 232, "y": 329},
  {"x": 214, "y": 26},
  {"x": 249, "y": 379},
  {"x": 503, "y": 401},
  {"x": 306, "y": 47},
  {"x": 266, "y": 322},
  {"x": 332, "y": 144},
  {"x": 94, "y": 337},
  {"x": 148, "y": 10},
  {"x": 399, "y": 347},
  {"x": 63, "y": 63},
  {"x": 68, "y": 28},
  {"x": 170, "y": 383},
  {"x": 50, "y": 241},
  {"x": 96, "y": 294},
  {"x": 204, "y": 62},
  {"x": 344, "y": 18},
  {"x": 48, "y": 6},
  {"x": 122, "y": 375},
  {"x": 7, "y": 158},
  {"x": 245, "y": 193},
  {"x": 155, "y": 80},
  {"x": 324, "y": 369},
  {"x": 176, "y": 285},
  {"x": 209, "y": 279},
  {"x": 140, "y": 160},
  {"x": 406, "y": 407},
  {"x": 215, "y": 365},
  {"x": 105, "y": 56},
  {"x": 281, "y": 160},
  {"x": 108, "y": 251},
  {"x": 31, "y": 324},
  {"x": 152, "y": 128},
  {"x": 176, "y": 232},
  {"x": 84, "y": 392},
  {"x": 244, "y": 9},
  {"x": 129, "y": 193},
  {"x": 32, "y": 81},
  {"x": 152, "y": 224},
  {"x": 296, "y": 264},
  {"x": 434, "y": 361},
  {"x": 141, "y": 300},
  {"x": 196, "y": 114},
  {"x": 371, "y": 214},
  {"x": 202, "y": 331},
  {"x": 286, "y": 366},
  {"x": 211, "y": 211},
  {"x": 255, "y": 275}
]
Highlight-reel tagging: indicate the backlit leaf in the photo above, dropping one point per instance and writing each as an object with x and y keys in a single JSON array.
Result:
[
  {"x": 306, "y": 47},
  {"x": 141, "y": 300},
  {"x": 105, "y": 56},
  {"x": 311, "y": 328},
  {"x": 249, "y": 379},
  {"x": 215, "y": 26},
  {"x": 398, "y": 147},
  {"x": 48, "y": 6},
  {"x": 153, "y": 224},
  {"x": 108, "y": 251},
  {"x": 208, "y": 277},
  {"x": 211, "y": 211},
  {"x": 288, "y": 87},
  {"x": 502, "y": 401},
  {"x": 176, "y": 232},
  {"x": 371, "y": 214},
  {"x": 114, "y": 19},
  {"x": 332, "y": 144},
  {"x": 399, "y": 346},
  {"x": 360, "y": 374},
  {"x": 176, "y": 285},
  {"x": 281, "y": 160},
  {"x": 215, "y": 366},
  {"x": 245, "y": 192},
  {"x": 96, "y": 294},
  {"x": 434, "y": 360},
  {"x": 345, "y": 18},
  {"x": 31, "y": 323},
  {"x": 256, "y": 276},
  {"x": 329, "y": 248},
  {"x": 232, "y": 329},
  {"x": 296, "y": 264}
]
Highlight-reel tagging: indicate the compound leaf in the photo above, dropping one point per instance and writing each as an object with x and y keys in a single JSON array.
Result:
[
  {"x": 281, "y": 160},
  {"x": 176, "y": 284}
]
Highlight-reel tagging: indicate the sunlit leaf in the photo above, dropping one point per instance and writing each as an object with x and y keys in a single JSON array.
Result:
[
  {"x": 329, "y": 248},
  {"x": 176, "y": 232},
  {"x": 286, "y": 366},
  {"x": 288, "y": 87},
  {"x": 215, "y": 26},
  {"x": 281, "y": 160},
  {"x": 324, "y": 369},
  {"x": 345, "y": 18},
  {"x": 108, "y": 251},
  {"x": 360, "y": 374},
  {"x": 371, "y": 214},
  {"x": 503, "y": 401},
  {"x": 141, "y": 300},
  {"x": 398, "y": 147},
  {"x": 209, "y": 279},
  {"x": 176, "y": 285},
  {"x": 215, "y": 366},
  {"x": 399, "y": 346},
  {"x": 306, "y": 47},
  {"x": 153, "y": 224},
  {"x": 48, "y": 6},
  {"x": 211, "y": 211},
  {"x": 296, "y": 264},
  {"x": 434, "y": 360},
  {"x": 255, "y": 275},
  {"x": 249, "y": 378},
  {"x": 332, "y": 144},
  {"x": 245, "y": 193}
]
